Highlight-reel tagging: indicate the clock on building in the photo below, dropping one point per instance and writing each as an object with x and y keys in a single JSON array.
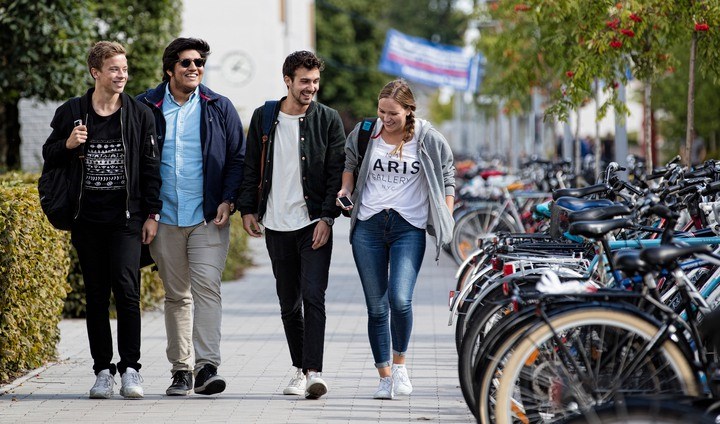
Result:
[{"x": 237, "y": 67}]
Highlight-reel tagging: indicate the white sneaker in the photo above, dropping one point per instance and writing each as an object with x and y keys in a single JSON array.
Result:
[
  {"x": 103, "y": 388},
  {"x": 316, "y": 386},
  {"x": 401, "y": 381},
  {"x": 385, "y": 389},
  {"x": 131, "y": 388},
  {"x": 297, "y": 384}
]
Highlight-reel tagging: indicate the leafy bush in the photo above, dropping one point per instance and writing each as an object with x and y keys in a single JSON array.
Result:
[
  {"x": 34, "y": 264},
  {"x": 238, "y": 258}
]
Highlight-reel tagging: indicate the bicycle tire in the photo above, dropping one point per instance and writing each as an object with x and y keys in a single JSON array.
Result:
[
  {"x": 470, "y": 303},
  {"x": 644, "y": 411},
  {"x": 478, "y": 222},
  {"x": 521, "y": 377}
]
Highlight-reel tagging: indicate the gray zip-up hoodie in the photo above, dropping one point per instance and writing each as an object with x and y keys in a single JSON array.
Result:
[{"x": 436, "y": 161}]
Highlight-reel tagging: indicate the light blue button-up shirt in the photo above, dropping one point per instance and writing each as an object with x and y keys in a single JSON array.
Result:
[{"x": 181, "y": 168}]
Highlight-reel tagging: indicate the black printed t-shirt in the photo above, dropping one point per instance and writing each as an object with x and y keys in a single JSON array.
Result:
[{"x": 104, "y": 184}]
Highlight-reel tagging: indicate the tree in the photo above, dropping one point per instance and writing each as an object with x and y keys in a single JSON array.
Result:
[
  {"x": 145, "y": 28},
  {"x": 579, "y": 42},
  {"x": 670, "y": 97},
  {"x": 41, "y": 47},
  {"x": 350, "y": 37},
  {"x": 44, "y": 45}
]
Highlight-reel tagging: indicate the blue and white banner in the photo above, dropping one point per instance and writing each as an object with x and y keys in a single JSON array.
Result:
[{"x": 436, "y": 65}]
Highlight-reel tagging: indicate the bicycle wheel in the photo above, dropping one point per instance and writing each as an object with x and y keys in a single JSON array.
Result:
[
  {"x": 479, "y": 281},
  {"x": 486, "y": 219},
  {"x": 473, "y": 344},
  {"x": 644, "y": 411},
  {"x": 585, "y": 358}
]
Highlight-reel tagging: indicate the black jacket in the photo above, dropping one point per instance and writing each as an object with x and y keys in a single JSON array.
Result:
[
  {"x": 221, "y": 136},
  {"x": 321, "y": 156},
  {"x": 142, "y": 157}
]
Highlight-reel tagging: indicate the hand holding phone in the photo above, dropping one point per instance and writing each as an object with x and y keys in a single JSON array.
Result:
[
  {"x": 345, "y": 202},
  {"x": 78, "y": 135}
]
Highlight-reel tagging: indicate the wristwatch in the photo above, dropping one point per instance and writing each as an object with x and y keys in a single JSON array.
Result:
[
  {"x": 329, "y": 221},
  {"x": 155, "y": 216},
  {"x": 231, "y": 204}
]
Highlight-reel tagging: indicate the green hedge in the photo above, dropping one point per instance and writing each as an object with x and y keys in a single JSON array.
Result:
[
  {"x": 34, "y": 264},
  {"x": 40, "y": 277}
]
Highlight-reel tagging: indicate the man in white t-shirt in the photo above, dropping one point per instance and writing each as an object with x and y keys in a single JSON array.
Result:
[{"x": 290, "y": 185}]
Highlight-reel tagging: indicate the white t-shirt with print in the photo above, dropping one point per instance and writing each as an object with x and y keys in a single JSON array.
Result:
[
  {"x": 286, "y": 207},
  {"x": 396, "y": 183}
]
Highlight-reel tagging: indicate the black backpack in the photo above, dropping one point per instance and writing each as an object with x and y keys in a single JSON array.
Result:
[
  {"x": 54, "y": 186},
  {"x": 366, "y": 128}
]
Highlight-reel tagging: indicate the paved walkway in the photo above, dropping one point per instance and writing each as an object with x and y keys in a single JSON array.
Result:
[{"x": 256, "y": 362}]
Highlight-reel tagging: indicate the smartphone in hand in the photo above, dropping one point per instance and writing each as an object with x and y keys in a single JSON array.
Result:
[{"x": 345, "y": 202}]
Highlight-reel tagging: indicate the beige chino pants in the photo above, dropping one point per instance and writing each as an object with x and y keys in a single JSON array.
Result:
[{"x": 190, "y": 261}]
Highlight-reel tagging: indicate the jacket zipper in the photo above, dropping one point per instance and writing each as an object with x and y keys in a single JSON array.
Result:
[
  {"x": 127, "y": 181},
  {"x": 82, "y": 170}
]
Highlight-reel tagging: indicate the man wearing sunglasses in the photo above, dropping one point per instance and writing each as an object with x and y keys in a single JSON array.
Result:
[{"x": 202, "y": 152}]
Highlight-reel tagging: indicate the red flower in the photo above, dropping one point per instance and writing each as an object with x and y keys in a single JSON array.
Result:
[
  {"x": 628, "y": 32},
  {"x": 521, "y": 7},
  {"x": 615, "y": 43},
  {"x": 635, "y": 18},
  {"x": 702, "y": 27},
  {"x": 615, "y": 85},
  {"x": 619, "y": 6},
  {"x": 570, "y": 74},
  {"x": 613, "y": 24}
]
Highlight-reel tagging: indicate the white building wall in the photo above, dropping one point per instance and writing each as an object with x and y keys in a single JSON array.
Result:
[{"x": 249, "y": 40}]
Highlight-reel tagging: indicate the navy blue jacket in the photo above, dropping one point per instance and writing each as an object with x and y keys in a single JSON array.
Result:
[{"x": 223, "y": 146}]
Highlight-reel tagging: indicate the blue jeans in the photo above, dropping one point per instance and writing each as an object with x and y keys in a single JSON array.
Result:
[{"x": 388, "y": 252}]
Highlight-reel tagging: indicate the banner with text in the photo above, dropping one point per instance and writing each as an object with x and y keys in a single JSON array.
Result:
[{"x": 436, "y": 65}]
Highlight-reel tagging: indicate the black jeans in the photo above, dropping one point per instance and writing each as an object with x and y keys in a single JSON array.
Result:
[
  {"x": 301, "y": 278},
  {"x": 110, "y": 260}
]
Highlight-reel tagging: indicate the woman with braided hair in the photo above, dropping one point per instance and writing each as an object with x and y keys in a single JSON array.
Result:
[{"x": 405, "y": 187}]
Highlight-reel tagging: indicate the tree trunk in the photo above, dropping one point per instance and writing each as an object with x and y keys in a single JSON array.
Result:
[
  {"x": 598, "y": 143},
  {"x": 690, "y": 132},
  {"x": 647, "y": 126},
  {"x": 578, "y": 148},
  {"x": 12, "y": 135},
  {"x": 3, "y": 137}
]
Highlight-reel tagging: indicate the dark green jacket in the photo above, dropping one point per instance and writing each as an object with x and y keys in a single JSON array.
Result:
[{"x": 321, "y": 155}]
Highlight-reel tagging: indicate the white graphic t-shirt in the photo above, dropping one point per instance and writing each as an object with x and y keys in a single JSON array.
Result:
[{"x": 396, "y": 183}]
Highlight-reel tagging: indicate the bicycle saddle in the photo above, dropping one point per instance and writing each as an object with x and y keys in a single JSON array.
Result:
[
  {"x": 575, "y": 204},
  {"x": 599, "y": 214},
  {"x": 596, "y": 229},
  {"x": 628, "y": 260},
  {"x": 580, "y": 192},
  {"x": 663, "y": 255}
]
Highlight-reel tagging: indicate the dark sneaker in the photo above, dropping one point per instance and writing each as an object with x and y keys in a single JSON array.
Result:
[
  {"x": 182, "y": 384},
  {"x": 207, "y": 382}
]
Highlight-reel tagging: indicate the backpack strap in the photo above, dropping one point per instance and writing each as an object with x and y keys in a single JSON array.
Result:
[
  {"x": 366, "y": 129},
  {"x": 270, "y": 112}
]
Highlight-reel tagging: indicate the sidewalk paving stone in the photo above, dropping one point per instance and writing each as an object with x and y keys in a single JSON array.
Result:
[{"x": 256, "y": 361}]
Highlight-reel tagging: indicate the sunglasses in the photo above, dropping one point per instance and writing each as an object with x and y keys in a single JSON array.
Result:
[{"x": 185, "y": 63}]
